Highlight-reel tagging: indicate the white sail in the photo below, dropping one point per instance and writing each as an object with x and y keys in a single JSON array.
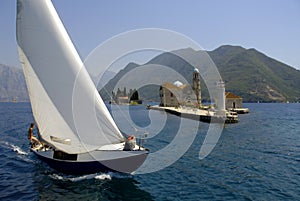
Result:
[{"x": 53, "y": 69}]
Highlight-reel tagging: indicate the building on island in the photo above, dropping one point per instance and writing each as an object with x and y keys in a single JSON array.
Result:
[
  {"x": 177, "y": 93},
  {"x": 233, "y": 101},
  {"x": 184, "y": 100},
  {"x": 220, "y": 99},
  {"x": 196, "y": 86},
  {"x": 124, "y": 98}
]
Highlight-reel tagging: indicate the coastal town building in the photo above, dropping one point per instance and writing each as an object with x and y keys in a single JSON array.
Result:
[
  {"x": 184, "y": 100},
  {"x": 196, "y": 86},
  {"x": 232, "y": 100},
  {"x": 220, "y": 99},
  {"x": 124, "y": 98},
  {"x": 178, "y": 94}
]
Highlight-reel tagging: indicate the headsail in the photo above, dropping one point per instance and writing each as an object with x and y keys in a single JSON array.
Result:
[{"x": 53, "y": 69}]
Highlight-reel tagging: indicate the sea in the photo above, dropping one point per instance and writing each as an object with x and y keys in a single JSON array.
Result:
[{"x": 255, "y": 159}]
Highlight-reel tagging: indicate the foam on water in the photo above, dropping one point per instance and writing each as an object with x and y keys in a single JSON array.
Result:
[
  {"x": 18, "y": 150},
  {"x": 97, "y": 176},
  {"x": 15, "y": 148},
  {"x": 103, "y": 177}
]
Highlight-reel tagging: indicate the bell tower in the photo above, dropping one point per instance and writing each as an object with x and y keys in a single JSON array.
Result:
[{"x": 196, "y": 86}]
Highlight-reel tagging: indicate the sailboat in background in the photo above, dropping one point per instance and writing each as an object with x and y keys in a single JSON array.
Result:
[{"x": 78, "y": 133}]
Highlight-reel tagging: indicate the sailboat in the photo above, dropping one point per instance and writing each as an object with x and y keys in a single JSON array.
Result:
[{"x": 78, "y": 133}]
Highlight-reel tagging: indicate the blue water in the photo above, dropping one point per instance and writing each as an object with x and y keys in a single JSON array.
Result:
[{"x": 256, "y": 159}]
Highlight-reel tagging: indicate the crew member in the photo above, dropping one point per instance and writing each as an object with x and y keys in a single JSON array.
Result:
[{"x": 33, "y": 140}]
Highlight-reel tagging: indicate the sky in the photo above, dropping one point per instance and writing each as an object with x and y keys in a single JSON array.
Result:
[{"x": 270, "y": 26}]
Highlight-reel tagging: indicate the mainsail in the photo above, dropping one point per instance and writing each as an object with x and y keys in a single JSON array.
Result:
[{"x": 67, "y": 108}]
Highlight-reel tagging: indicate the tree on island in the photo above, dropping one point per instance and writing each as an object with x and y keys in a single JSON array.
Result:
[
  {"x": 124, "y": 92},
  {"x": 134, "y": 96}
]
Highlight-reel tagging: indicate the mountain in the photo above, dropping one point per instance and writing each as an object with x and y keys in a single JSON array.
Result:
[
  {"x": 149, "y": 92},
  {"x": 246, "y": 72},
  {"x": 108, "y": 75},
  {"x": 12, "y": 84},
  {"x": 101, "y": 81},
  {"x": 255, "y": 76}
]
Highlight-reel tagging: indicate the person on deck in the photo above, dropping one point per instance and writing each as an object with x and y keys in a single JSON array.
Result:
[{"x": 33, "y": 140}]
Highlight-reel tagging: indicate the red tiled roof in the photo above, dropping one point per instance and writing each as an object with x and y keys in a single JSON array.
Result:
[
  {"x": 172, "y": 86},
  {"x": 231, "y": 95}
]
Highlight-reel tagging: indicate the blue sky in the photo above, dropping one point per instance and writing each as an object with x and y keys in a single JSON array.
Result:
[{"x": 270, "y": 26}]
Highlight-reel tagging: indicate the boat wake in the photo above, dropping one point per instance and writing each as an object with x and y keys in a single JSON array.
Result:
[
  {"x": 97, "y": 176},
  {"x": 14, "y": 148},
  {"x": 18, "y": 150},
  {"x": 21, "y": 154}
]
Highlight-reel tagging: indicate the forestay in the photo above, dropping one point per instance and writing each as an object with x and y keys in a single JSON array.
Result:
[{"x": 67, "y": 108}]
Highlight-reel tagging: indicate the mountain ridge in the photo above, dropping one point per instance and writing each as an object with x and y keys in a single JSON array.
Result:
[
  {"x": 12, "y": 84},
  {"x": 257, "y": 76},
  {"x": 246, "y": 72}
]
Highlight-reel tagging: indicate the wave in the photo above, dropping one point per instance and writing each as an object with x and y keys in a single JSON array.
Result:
[
  {"x": 97, "y": 176},
  {"x": 18, "y": 150},
  {"x": 101, "y": 176},
  {"x": 14, "y": 148}
]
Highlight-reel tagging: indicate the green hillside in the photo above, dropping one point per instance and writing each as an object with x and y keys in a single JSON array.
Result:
[
  {"x": 255, "y": 76},
  {"x": 246, "y": 72}
]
